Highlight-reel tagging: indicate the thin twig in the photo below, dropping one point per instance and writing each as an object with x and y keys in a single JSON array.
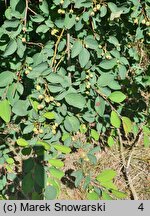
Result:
[
  {"x": 26, "y": 13},
  {"x": 56, "y": 46},
  {"x": 32, "y": 11},
  {"x": 36, "y": 44},
  {"x": 126, "y": 167}
]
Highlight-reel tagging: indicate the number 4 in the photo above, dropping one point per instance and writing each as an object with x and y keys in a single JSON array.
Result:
[{"x": 141, "y": 207}]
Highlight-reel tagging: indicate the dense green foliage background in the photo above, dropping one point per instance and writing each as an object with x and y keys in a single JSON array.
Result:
[{"x": 67, "y": 68}]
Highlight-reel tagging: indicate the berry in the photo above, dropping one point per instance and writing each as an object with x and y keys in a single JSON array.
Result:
[
  {"x": 143, "y": 21},
  {"x": 40, "y": 106},
  {"x": 98, "y": 6},
  {"x": 92, "y": 13},
  {"x": 77, "y": 18},
  {"x": 41, "y": 131},
  {"x": 53, "y": 127},
  {"x": 23, "y": 40},
  {"x": 38, "y": 87},
  {"x": 35, "y": 130},
  {"x": 58, "y": 104},
  {"x": 53, "y": 131},
  {"x": 27, "y": 72},
  {"x": 24, "y": 29},
  {"x": 95, "y": 9},
  {"x": 30, "y": 68},
  {"x": 47, "y": 99},
  {"x": 71, "y": 11},
  {"x": 56, "y": 124},
  {"x": 51, "y": 98},
  {"x": 40, "y": 97},
  {"x": 136, "y": 21}
]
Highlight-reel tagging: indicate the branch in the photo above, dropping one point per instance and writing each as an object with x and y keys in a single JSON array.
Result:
[
  {"x": 126, "y": 166},
  {"x": 26, "y": 13},
  {"x": 36, "y": 44},
  {"x": 56, "y": 47}
]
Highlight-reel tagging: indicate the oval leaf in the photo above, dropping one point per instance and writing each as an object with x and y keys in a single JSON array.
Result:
[
  {"x": 106, "y": 175},
  {"x": 5, "y": 110},
  {"x": 117, "y": 96},
  {"x": 127, "y": 124},
  {"x": 63, "y": 149},
  {"x": 49, "y": 115},
  {"x": 84, "y": 57},
  {"x": 108, "y": 64},
  {"x": 92, "y": 196},
  {"x": 22, "y": 142},
  {"x": 56, "y": 163},
  {"x": 56, "y": 173},
  {"x": 75, "y": 100},
  {"x": 115, "y": 120}
]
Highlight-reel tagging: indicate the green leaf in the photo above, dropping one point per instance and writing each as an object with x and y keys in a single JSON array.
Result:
[
  {"x": 50, "y": 193},
  {"x": 84, "y": 57},
  {"x": 71, "y": 124},
  {"x": 79, "y": 176},
  {"x": 69, "y": 21},
  {"x": 28, "y": 129},
  {"x": 10, "y": 48},
  {"x": 100, "y": 106},
  {"x": 37, "y": 18},
  {"x": 5, "y": 110},
  {"x": 56, "y": 162},
  {"x": 95, "y": 134},
  {"x": 38, "y": 70},
  {"x": 91, "y": 42},
  {"x": 109, "y": 185},
  {"x": 27, "y": 183},
  {"x": 56, "y": 172},
  {"x": 62, "y": 148},
  {"x": 20, "y": 107},
  {"x": 106, "y": 196},
  {"x": 44, "y": 7},
  {"x": 42, "y": 29},
  {"x": 108, "y": 64},
  {"x": 76, "y": 49},
  {"x": 65, "y": 136},
  {"x": 44, "y": 144},
  {"x": 106, "y": 175},
  {"x": 10, "y": 160},
  {"x": 115, "y": 120},
  {"x": 76, "y": 100},
  {"x": 119, "y": 194},
  {"x": 127, "y": 124},
  {"x": 103, "y": 11},
  {"x": 55, "y": 78},
  {"x": 22, "y": 142},
  {"x": 92, "y": 196},
  {"x": 49, "y": 115},
  {"x": 6, "y": 78},
  {"x": 113, "y": 40},
  {"x": 36, "y": 196},
  {"x": 110, "y": 141},
  {"x": 117, "y": 96},
  {"x": 39, "y": 175},
  {"x": 105, "y": 79}
]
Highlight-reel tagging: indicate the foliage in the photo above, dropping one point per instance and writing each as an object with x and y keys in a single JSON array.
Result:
[{"x": 69, "y": 67}]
